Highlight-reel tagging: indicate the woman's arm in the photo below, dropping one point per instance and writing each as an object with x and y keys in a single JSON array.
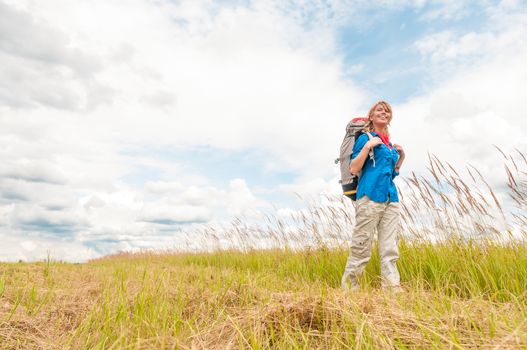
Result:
[
  {"x": 358, "y": 162},
  {"x": 401, "y": 157}
]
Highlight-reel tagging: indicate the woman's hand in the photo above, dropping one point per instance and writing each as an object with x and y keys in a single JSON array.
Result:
[
  {"x": 399, "y": 149},
  {"x": 373, "y": 142},
  {"x": 358, "y": 162}
]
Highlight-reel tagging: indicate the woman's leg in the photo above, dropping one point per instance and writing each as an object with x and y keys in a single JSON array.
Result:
[
  {"x": 366, "y": 219},
  {"x": 388, "y": 231}
]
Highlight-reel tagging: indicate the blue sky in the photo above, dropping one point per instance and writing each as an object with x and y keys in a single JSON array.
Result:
[
  {"x": 390, "y": 65},
  {"x": 121, "y": 126},
  {"x": 219, "y": 164}
]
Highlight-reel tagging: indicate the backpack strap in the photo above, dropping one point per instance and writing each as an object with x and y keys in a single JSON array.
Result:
[{"x": 370, "y": 136}]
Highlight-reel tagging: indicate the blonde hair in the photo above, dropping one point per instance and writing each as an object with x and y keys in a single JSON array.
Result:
[{"x": 369, "y": 125}]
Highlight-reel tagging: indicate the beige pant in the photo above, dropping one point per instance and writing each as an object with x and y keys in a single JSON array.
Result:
[{"x": 385, "y": 218}]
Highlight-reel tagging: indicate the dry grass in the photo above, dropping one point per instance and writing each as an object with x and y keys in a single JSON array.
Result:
[
  {"x": 148, "y": 302},
  {"x": 39, "y": 310}
]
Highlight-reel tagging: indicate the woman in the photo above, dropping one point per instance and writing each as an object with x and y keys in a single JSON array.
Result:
[{"x": 377, "y": 204}]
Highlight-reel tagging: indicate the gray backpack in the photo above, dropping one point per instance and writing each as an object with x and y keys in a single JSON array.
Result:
[{"x": 349, "y": 181}]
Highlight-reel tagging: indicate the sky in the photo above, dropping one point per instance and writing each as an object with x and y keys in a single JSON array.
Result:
[{"x": 124, "y": 124}]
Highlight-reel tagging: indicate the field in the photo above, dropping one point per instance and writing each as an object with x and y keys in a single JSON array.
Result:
[{"x": 463, "y": 264}]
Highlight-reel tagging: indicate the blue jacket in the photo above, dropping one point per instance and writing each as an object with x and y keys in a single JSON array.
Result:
[{"x": 376, "y": 182}]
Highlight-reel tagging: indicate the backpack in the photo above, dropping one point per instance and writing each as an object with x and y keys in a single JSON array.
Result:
[{"x": 349, "y": 181}]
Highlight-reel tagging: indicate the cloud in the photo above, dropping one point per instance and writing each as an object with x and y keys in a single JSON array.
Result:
[
  {"x": 45, "y": 222},
  {"x": 161, "y": 187},
  {"x": 48, "y": 196},
  {"x": 304, "y": 188},
  {"x": 448, "y": 10},
  {"x": 461, "y": 118},
  {"x": 19, "y": 246},
  {"x": 41, "y": 67},
  {"x": 34, "y": 170},
  {"x": 166, "y": 214},
  {"x": 160, "y": 99},
  {"x": 502, "y": 35},
  {"x": 24, "y": 37},
  {"x": 241, "y": 201}
]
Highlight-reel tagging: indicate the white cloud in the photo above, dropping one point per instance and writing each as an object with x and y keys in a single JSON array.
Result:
[
  {"x": 167, "y": 214},
  {"x": 476, "y": 104},
  {"x": 447, "y": 9},
  {"x": 123, "y": 219},
  {"x": 255, "y": 76},
  {"x": 40, "y": 67},
  {"x": 241, "y": 200},
  {"x": 159, "y": 187},
  {"x": 18, "y": 246},
  {"x": 503, "y": 35},
  {"x": 304, "y": 188}
]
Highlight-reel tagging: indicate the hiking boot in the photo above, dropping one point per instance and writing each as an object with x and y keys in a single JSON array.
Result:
[{"x": 350, "y": 287}]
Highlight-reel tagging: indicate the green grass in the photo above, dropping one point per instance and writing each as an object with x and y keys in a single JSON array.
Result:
[{"x": 456, "y": 295}]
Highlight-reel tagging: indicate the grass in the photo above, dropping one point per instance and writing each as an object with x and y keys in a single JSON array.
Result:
[
  {"x": 454, "y": 297},
  {"x": 463, "y": 266}
]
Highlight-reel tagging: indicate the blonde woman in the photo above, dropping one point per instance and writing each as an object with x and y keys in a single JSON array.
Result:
[{"x": 377, "y": 205}]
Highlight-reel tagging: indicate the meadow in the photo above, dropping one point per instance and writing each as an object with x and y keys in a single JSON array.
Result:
[{"x": 463, "y": 265}]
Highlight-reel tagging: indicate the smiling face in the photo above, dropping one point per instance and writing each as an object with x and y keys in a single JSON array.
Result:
[{"x": 380, "y": 115}]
